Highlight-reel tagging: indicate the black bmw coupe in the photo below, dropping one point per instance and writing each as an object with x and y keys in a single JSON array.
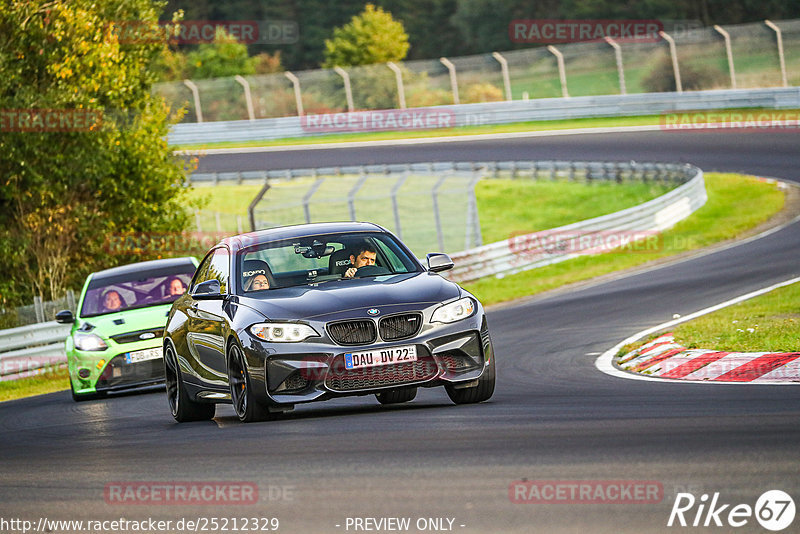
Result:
[{"x": 311, "y": 312}]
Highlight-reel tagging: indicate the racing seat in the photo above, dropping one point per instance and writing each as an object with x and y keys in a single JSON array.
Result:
[
  {"x": 339, "y": 262},
  {"x": 256, "y": 267}
]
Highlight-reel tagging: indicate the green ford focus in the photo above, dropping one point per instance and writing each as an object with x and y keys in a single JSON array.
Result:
[{"x": 116, "y": 339}]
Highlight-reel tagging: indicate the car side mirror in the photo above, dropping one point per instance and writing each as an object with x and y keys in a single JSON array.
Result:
[
  {"x": 65, "y": 317},
  {"x": 438, "y": 262},
  {"x": 208, "y": 290}
]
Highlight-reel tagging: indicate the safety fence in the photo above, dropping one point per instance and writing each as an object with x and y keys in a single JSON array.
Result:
[
  {"x": 755, "y": 55},
  {"x": 29, "y": 350}
]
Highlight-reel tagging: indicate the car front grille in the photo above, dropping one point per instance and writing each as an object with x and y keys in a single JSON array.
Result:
[
  {"x": 130, "y": 337},
  {"x": 341, "y": 379},
  {"x": 353, "y": 332},
  {"x": 397, "y": 327}
]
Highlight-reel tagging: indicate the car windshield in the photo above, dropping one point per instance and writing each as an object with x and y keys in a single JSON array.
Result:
[
  {"x": 136, "y": 290},
  {"x": 321, "y": 258}
]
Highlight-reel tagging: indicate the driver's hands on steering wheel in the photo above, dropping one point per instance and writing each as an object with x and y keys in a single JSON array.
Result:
[{"x": 350, "y": 273}]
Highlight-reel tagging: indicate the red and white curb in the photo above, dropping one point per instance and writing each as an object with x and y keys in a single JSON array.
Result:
[
  {"x": 701, "y": 366},
  {"x": 664, "y": 358}
]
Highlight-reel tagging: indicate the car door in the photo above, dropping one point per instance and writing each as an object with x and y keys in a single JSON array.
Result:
[{"x": 206, "y": 321}]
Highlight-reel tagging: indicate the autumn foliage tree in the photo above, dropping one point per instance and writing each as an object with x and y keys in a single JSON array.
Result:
[
  {"x": 69, "y": 184},
  {"x": 372, "y": 36}
]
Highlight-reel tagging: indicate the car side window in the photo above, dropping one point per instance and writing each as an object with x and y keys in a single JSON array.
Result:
[
  {"x": 202, "y": 271},
  {"x": 219, "y": 268}
]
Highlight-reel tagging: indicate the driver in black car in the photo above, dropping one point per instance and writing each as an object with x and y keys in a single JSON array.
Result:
[{"x": 365, "y": 254}]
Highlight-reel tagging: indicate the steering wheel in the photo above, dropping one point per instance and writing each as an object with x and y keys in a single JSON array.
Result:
[{"x": 371, "y": 270}]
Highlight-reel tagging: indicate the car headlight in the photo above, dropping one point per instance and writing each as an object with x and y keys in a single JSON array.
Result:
[
  {"x": 283, "y": 332},
  {"x": 455, "y": 311},
  {"x": 86, "y": 341}
]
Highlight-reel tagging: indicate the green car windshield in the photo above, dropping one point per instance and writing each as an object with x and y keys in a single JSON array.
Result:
[{"x": 135, "y": 290}]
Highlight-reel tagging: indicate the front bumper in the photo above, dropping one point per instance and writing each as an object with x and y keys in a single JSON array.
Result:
[
  {"x": 303, "y": 372},
  {"x": 98, "y": 371}
]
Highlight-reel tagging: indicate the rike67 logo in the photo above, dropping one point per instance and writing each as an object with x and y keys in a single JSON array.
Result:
[{"x": 774, "y": 510}]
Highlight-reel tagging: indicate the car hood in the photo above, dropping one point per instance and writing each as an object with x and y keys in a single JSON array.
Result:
[
  {"x": 112, "y": 324},
  {"x": 341, "y": 296}
]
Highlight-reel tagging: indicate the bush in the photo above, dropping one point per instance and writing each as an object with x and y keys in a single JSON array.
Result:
[
  {"x": 482, "y": 92},
  {"x": 693, "y": 78}
]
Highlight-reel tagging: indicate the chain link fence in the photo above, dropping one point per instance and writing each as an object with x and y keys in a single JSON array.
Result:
[
  {"x": 758, "y": 59},
  {"x": 39, "y": 311}
]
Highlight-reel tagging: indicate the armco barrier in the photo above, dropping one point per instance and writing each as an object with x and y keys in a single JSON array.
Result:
[
  {"x": 538, "y": 249},
  {"x": 29, "y": 349},
  {"x": 507, "y": 112}
]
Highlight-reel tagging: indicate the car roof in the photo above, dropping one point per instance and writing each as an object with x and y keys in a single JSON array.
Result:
[
  {"x": 141, "y": 266},
  {"x": 297, "y": 231}
]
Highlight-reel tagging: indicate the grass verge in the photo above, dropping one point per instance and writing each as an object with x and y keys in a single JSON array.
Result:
[
  {"x": 47, "y": 382},
  {"x": 735, "y": 204},
  {"x": 529, "y": 126},
  {"x": 768, "y": 323}
]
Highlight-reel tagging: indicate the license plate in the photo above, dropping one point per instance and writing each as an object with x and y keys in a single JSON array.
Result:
[
  {"x": 375, "y": 358},
  {"x": 143, "y": 355}
]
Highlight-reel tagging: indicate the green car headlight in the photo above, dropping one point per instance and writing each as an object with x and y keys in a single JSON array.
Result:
[
  {"x": 283, "y": 332},
  {"x": 88, "y": 342}
]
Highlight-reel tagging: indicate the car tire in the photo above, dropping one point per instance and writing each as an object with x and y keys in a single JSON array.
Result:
[
  {"x": 183, "y": 408},
  {"x": 248, "y": 408},
  {"x": 397, "y": 395},
  {"x": 480, "y": 392}
]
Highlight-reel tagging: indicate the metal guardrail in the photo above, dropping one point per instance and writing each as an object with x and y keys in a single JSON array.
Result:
[
  {"x": 27, "y": 350},
  {"x": 629, "y": 227},
  {"x": 501, "y": 113}
]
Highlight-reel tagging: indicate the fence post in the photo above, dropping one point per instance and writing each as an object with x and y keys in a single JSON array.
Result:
[
  {"x": 673, "y": 51},
  {"x": 473, "y": 237},
  {"x": 251, "y": 209},
  {"x": 504, "y": 69},
  {"x": 453, "y": 80},
  {"x": 562, "y": 71},
  {"x": 196, "y": 95},
  {"x": 197, "y": 220},
  {"x": 71, "y": 300},
  {"x": 728, "y": 52},
  {"x": 307, "y": 198},
  {"x": 348, "y": 92},
  {"x": 298, "y": 97},
  {"x": 351, "y": 195},
  {"x": 781, "y": 57},
  {"x": 247, "y": 97},
  {"x": 38, "y": 308},
  {"x": 395, "y": 188},
  {"x": 398, "y": 76},
  {"x": 218, "y": 221},
  {"x": 620, "y": 69},
  {"x": 436, "y": 215}
]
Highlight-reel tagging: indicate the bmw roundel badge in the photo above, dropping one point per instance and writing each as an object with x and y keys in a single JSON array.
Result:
[{"x": 373, "y": 311}]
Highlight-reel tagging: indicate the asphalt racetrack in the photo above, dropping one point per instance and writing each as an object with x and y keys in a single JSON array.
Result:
[{"x": 554, "y": 417}]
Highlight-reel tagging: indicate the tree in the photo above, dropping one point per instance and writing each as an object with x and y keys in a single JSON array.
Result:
[
  {"x": 224, "y": 57},
  {"x": 83, "y": 141},
  {"x": 373, "y": 36}
]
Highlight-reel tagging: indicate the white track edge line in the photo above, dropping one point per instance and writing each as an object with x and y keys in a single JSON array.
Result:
[{"x": 604, "y": 362}]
